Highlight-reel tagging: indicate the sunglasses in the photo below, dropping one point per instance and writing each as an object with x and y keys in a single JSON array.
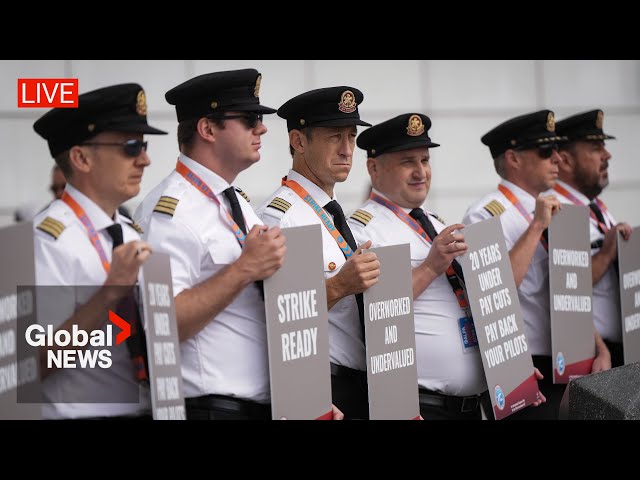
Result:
[
  {"x": 131, "y": 148},
  {"x": 547, "y": 150},
  {"x": 544, "y": 151},
  {"x": 250, "y": 118}
]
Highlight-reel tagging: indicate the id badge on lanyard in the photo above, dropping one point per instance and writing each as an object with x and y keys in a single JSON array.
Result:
[{"x": 468, "y": 334}]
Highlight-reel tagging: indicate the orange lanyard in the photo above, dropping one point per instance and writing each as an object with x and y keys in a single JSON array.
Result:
[
  {"x": 322, "y": 215},
  {"x": 203, "y": 188},
  {"x": 91, "y": 231},
  {"x": 576, "y": 201},
  {"x": 452, "y": 277},
  {"x": 527, "y": 216}
]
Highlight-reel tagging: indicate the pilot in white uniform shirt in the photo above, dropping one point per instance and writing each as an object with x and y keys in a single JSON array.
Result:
[
  {"x": 71, "y": 259},
  {"x": 584, "y": 174},
  {"x": 606, "y": 291},
  {"x": 101, "y": 143},
  {"x": 444, "y": 364},
  {"x": 346, "y": 345},
  {"x": 229, "y": 355},
  {"x": 533, "y": 292}
]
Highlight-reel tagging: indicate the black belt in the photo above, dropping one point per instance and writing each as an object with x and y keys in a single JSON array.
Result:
[
  {"x": 230, "y": 404},
  {"x": 341, "y": 371},
  {"x": 449, "y": 402}
]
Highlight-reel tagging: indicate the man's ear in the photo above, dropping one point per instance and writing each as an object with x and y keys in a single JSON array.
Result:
[
  {"x": 206, "y": 129},
  {"x": 567, "y": 162},
  {"x": 511, "y": 159},
  {"x": 80, "y": 158},
  {"x": 297, "y": 141},
  {"x": 372, "y": 167}
]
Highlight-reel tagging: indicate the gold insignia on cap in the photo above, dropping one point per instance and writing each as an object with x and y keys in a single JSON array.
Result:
[
  {"x": 495, "y": 208},
  {"x": 332, "y": 266},
  {"x": 166, "y": 205},
  {"x": 347, "y": 102},
  {"x": 373, "y": 151},
  {"x": 214, "y": 105},
  {"x": 599, "y": 119},
  {"x": 415, "y": 127},
  {"x": 551, "y": 122},
  {"x": 141, "y": 103},
  {"x": 256, "y": 91},
  {"x": 51, "y": 226},
  {"x": 302, "y": 122},
  {"x": 513, "y": 142},
  {"x": 361, "y": 216}
]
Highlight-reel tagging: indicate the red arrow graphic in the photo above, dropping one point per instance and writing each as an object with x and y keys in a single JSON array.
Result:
[{"x": 124, "y": 326}]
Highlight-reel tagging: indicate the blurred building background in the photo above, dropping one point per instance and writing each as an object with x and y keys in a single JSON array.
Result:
[{"x": 464, "y": 98}]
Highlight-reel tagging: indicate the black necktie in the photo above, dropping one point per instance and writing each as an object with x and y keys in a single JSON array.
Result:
[
  {"x": 236, "y": 211},
  {"x": 601, "y": 226},
  {"x": 334, "y": 208},
  {"x": 419, "y": 215},
  {"x": 128, "y": 310},
  {"x": 598, "y": 213}
]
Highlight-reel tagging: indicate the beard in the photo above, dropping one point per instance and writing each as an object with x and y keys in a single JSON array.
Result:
[{"x": 589, "y": 184}]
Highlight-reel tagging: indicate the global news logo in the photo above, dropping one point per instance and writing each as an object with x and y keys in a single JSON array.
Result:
[{"x": 80, "y": 357}]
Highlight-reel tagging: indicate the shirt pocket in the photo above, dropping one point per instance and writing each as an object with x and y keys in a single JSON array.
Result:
[{"x": 223, "y": 251}]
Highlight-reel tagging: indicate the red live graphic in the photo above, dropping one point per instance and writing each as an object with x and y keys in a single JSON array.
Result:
[{"x": 47, "y": 93}]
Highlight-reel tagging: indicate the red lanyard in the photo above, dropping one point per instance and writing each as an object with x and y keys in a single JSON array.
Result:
[
  {"x": 576, "y": 201},
  {"x": 453, "y": 279},
  {"x": 203, "y": 188},
  {"x": 93, "y": 234},
  {"x": 527, "y": 216},
  {"x": 322, "y": 215}
]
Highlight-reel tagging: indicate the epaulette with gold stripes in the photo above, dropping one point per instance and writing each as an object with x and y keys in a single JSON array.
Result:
[
  {"x": 280, "y": 204},
  {"x": 438, "y": 217},
  {"x": 361, "y": 216},
  {"x": 495, "y": 208},
  {"x": 137, "y": 228},
  {"x": 52, "y": 227},
  {"x": 166, "y": 205},
  {"x": 244, "y": 195}
]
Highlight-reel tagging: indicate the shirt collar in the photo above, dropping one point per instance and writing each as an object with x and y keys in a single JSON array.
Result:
[
  {"x": 580, "y": 196},
  {"x": 215, "y": 182},
  {"x": 315, "y": 191},
  {"x": 527, "y": 200},
  {"x": 98, "y": 217}
]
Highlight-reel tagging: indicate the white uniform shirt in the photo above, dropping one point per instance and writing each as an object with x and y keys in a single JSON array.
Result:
[
  {"x": 229, "y": 355},
  {"x": 72, "y": 260},
  {"x": 534, "y": 289},
  {"x": 346, "y": 345},
  {"x": 606, "y": 292},
  {"x": 443, "y": 365}
]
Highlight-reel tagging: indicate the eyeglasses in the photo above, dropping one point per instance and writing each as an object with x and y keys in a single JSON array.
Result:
[
  {"x": 132, "y": 148},
  {"x": 547, "y": 150},
  {"x": 544, "y": 151},
  {"x": 251, "y": 118}
]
